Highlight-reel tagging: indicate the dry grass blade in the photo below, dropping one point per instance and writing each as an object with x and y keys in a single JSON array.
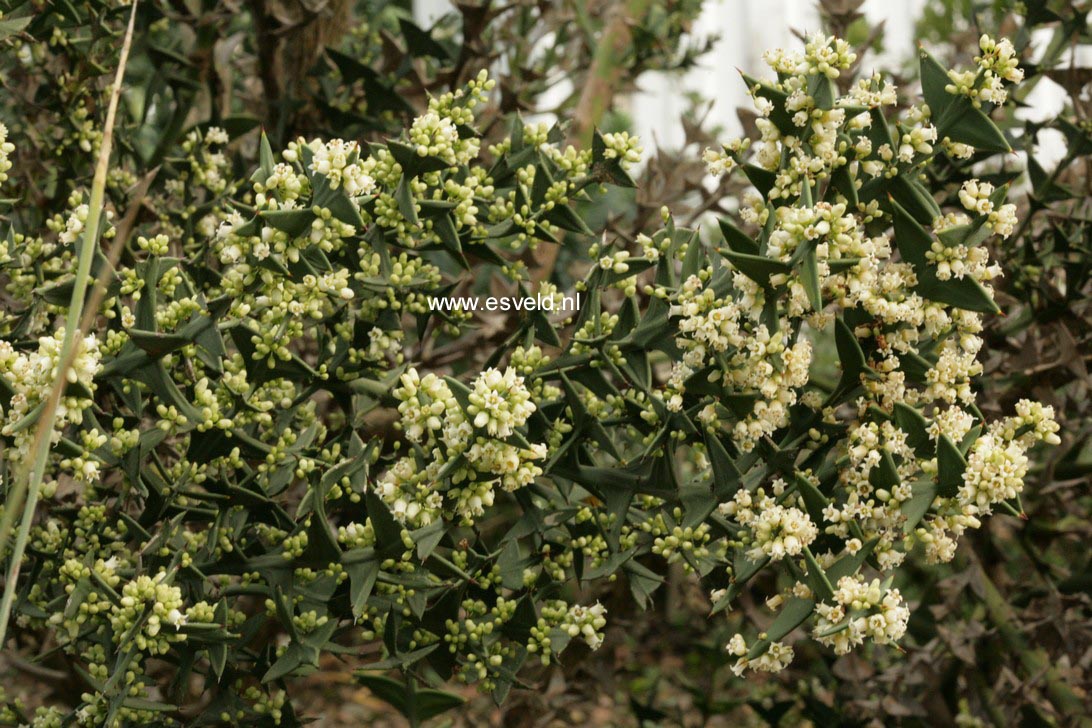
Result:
[{"x": 29, "y": 487}]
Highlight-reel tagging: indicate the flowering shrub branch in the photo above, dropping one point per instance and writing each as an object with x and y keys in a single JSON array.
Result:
[{"x": 217, "y": 497}]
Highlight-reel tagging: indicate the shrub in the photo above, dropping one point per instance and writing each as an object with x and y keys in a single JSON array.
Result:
[
  {"x": 268, "y": 450},
  {"x": 1015, "y": 600}
]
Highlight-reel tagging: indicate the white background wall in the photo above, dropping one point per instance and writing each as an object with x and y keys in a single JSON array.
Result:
[{"x": 746, "y": 28}]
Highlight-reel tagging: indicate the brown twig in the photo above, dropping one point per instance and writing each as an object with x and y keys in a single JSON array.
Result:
[{"x": 596, "y": 97}]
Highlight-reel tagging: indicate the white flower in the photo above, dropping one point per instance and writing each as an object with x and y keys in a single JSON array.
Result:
[
  {"x": 6, "y": 148},
  {"x": 175, "y": 618},
  {"x": 216, "y": 135},
  {"x": 995, "y": 472},
  {"x": 339, "y": 161},
  {"x": 975, "y": 196},
  {"x": 861, "y": 611},
  {"x": 737, "y": 645},
  {"x": 779, "y": 531},
  {"x": 623, "y": 147},
  {"x": 775, "y": 659},
  {"x": 499, "y": 403},
  {"x": 999, "y": 58}
]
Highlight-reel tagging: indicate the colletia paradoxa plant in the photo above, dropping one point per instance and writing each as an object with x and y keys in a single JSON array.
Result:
[{"x": 264, "y": 454}]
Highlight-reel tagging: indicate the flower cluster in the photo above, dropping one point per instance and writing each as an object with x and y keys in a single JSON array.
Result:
[
  {"x": 848, "y": 249},
  {"x": 775, "y": 658},
  {"x": 776, "y": 531},
  {"x": 861, "y": 611},
  {"x": 162, "y": 604},
  {"x": 622, "y": 147},
  {"x": 977, "y": 197},
  {"x": 997, "y": 461},
  {"x": 6, "y": 148},
  {"x": 30, "y": 377},
  {"x": 338, "y": 161},
  {"x": 498, "y": 403},
  {"x": 996, "y": 65},
  {"x": 283, "y": 450},
  {"x": 757, "y": 359}
]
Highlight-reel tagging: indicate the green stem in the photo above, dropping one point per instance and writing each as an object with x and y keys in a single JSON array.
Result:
[
  {"x": 1034, "y": 661},
  {"x": 453, "y": 567},
  {"x": 40, "y": 447},
  {"x": 411, "y": 701}
]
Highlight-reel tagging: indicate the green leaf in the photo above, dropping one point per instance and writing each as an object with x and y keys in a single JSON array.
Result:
[
  {"x": 950, "y": 467},
  {"x": 428, "y": 538},
  {"x": 971, "y": 234},
  {"x": 218, "y": 653},
  {"x": 265, "y": 156},
  {"x": 567, "y": 219},
  {"x": 431, "y": 703},
  {"x": 386, "y": 689},
  {"x": 914, "y": 425},
  {"x": 809, "y": 276},
  {"x": 842, "y": 181},
  {"x": 610, "y": 169},
  {"x": 934, "y": 79},
  {"x": 849, "y": 564},
  {"x": 336, "y": 201},
  {"x": 762, "y": 179},
  {"x": 388, "y": 533},
  {"x": 913, "y": 241},
  {"x": 814, "y": 500},
  {"x": 134, "y": 703},
  {"x": 511, "y": 564},
  {"x": 841, "y": 265},
  {"x": 744, "y": 569},
  {"x": 850, "y": 353},
  {"x": 726, "y": 476},
  {"x": 157, "y": 344},
  {"x": 823, "y": 90},
  {"x": 885, "y": 474},
  {"x": 972, "y": 126},
  {"x": 415, "y": 704},
  {"x": 792, "y": 615},
  {"x": 405, "y": 658},
  {"x": 954, "y": 115},
  {"x": 736, "y": 239},
  {"x": 420, "y": 42},
  {"x": 293, "y": 222},
  {"x": 695, "y": 256},
  {"x": 380, "y": 95},
  {"x": 362, "y": 577},
  {"x": 817, "y": 578},
  {"x": 403, "y": 195},
  {"x": 411, "y": 162},
  {"x": 757, "y": 267},
  {"x": 915, "y": 199},
  {"x": 781, "y": 118},
  {"x": 642, "y": 582},
  {"x": 923, "y": 494},
  {"x": 289, "y": 661},
  {"x": 11, "y": 25}
]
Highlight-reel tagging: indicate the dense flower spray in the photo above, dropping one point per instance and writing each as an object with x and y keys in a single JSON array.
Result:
[{"x": 274, "y": 448}]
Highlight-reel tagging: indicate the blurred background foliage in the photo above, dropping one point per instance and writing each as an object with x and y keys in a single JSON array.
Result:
[{"x": 1001, "y": 636}]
